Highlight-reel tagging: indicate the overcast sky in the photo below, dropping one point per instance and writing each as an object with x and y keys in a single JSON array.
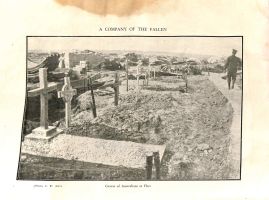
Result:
[{"x": 219, "y": 46}]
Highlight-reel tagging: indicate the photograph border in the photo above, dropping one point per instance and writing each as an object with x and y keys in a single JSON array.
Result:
[{"x": 157, "y": 36}]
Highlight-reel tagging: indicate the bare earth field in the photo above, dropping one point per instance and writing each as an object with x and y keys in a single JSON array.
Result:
[{"x": 194, "y": 126}]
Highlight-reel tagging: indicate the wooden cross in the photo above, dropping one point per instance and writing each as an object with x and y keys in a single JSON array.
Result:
[
  {"x": 147, "y": 78},
  {"x": 148, "y": 74},
  {"x": 67, "y": 94},
  {"x": 137, "y": 79},
  {"x": 43, "y": 90}
]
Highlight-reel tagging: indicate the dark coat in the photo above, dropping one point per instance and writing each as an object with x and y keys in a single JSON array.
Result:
[{"x": 231, "y": 64}]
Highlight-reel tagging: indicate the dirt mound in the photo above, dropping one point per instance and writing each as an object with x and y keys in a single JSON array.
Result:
[
  {"x": 84, "y": 101},
  {"x": 104, "y": 131},
  {"x": 131, "y": 120},
  {"x": 154, "y": 101},
  {"x": 194, "y": 126}
]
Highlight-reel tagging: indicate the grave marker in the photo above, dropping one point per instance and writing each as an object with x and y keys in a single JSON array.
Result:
[
  {"x": 137, "y": 78},
  {"x": 147, "y": 78},
  {"x": 149, "y": 70},
  {"x": 148, "y": 75},
  {"x": 45, "y": 131},
  {"x": 61, "y": 62},
  {"x": 67, "y": 94},
  {"x": 66, "y": 60},
  {"x": 116, "y": 89},
  {"x": 185, "y": 77}
]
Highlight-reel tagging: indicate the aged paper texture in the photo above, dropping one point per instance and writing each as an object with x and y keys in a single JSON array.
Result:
[{"x": 246, "y": 19}]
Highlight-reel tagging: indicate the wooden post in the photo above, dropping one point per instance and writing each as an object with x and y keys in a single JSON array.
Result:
[
  {"x": 137, "y": 73},
  {"x": 43, "y": 98},
  {"x": 157, "y": 164},
  {"x": 147, "y": 74},
  {"x": 126, "y": 66},
  {"x": 145, "y": 79},
  {"x": 137, "y": 79},
  {"x": 186, "y": 81},
  {"x": 154, "y": 73},
  {"x": 116, "y": 89},
  {"x": 85, "y": 84},
  {"x": 149, "y": 70},
  {"x": 149, "y": 161},
  {"x": 93, "y": 100}
]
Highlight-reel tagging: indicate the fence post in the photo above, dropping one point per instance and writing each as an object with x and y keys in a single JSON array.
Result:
[
  {"x": 157, "y": 164},
  {"x": 149, "y": 161}
]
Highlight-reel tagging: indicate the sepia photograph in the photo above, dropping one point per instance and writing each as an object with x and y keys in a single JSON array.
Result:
[{"x": 132, "y": 108}]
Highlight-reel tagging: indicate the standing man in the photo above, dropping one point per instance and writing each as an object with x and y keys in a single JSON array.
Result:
[{"x": 231, "y": 65}]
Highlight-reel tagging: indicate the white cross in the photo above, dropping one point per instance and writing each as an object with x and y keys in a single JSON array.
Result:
[{"x": 67, "y": 94}]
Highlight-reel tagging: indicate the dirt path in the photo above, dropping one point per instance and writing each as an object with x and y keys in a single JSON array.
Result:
[{"x": 234, "y": 97}]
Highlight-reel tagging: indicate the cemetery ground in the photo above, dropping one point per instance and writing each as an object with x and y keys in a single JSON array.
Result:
[{"x": 194, "y": 126}]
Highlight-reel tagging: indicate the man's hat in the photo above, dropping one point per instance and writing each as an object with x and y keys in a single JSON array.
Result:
[{"x": 234, "y": 50}]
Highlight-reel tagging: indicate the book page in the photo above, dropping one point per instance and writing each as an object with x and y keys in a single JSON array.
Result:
[{"x": 134, "y": 99}]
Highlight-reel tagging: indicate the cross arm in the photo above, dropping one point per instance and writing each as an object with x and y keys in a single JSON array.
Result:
[{"x": 36, "y": 92}]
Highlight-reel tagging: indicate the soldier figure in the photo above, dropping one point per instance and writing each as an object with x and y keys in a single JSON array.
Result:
[{"x": 231, "y": 65}]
